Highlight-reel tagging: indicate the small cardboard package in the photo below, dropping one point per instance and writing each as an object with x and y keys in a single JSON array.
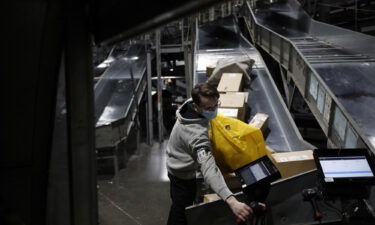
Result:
[
  {"x": 233, "y": 113},
  {"x": 230, "y": 82},
  {"x": 238, "y": 94},
  {"x": 260, "y": 120},
  {"x": 233, "y": 101},
  {"x": 293, "y": 163}
]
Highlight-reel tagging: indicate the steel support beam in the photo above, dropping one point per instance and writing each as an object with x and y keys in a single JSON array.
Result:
[
  {"x": 188, "y": 69},
  {"x": 159, "y": 86},
  {"x": 150, "y": 130}
]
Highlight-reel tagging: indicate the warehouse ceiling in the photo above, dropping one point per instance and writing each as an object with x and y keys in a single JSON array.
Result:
[
  {"x": 115, "y": 20},
  {"x": 357, "y": 15}
]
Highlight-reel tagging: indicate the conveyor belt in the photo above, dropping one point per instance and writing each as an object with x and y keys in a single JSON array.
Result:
[
  {"x": 332, "y": 67},
  {"x": 115, "y": 103},
  {"x": 222, "y": 39}
]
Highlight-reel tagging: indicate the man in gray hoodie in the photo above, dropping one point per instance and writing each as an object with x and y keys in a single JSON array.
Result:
[{"x": 189, "y": 149}]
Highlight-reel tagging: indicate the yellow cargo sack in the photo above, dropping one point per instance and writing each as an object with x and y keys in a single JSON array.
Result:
[{"x": 235, "y": 143}]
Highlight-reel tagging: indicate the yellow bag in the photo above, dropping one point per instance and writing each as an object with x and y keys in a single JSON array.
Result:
[{"x": 235, "y": 143}]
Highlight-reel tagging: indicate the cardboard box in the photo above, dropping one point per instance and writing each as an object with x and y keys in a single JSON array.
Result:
[
  {"x": 233, "y": 101},
  {"x": 210, "y": 197},
  {"x": 233, "y": 113},
  {"x": 245, "y": 94},
  {"x": 209, "y": 70},
  {"x": 293, "y": 163},
  {"x": 270, "y": 151},
  {"x": 260, "y": 120},
  {"x": 230, "y": 82}
]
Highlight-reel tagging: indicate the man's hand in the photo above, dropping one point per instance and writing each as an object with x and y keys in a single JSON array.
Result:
[{"x": 241, "y": 210}]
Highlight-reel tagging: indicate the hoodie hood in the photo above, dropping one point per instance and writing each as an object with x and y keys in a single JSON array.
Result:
[{"x": 183, "y": 108}]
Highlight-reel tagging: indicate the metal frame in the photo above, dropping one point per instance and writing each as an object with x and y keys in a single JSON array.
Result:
[
  {"x": 159, "y": 86},
  {"x": 150, "y": 129}
]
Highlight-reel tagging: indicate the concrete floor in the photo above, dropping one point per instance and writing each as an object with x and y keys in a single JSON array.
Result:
[{"x": 139, "y": 194}]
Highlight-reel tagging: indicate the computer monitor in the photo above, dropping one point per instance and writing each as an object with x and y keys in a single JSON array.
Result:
[
  {"x": 343, "y": 170},
  {"x": 345, "y": 167}
]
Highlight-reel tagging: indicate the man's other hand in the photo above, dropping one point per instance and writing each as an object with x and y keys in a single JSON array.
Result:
[{"x": 241, "y": 210}]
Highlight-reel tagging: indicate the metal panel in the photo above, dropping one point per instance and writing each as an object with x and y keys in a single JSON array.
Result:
[
  {"x": 352, "y": 85},
  {"x": 212, "y": 213},
  {"x": 288, "y": 207},
  {"x": 276, "y": 45}
]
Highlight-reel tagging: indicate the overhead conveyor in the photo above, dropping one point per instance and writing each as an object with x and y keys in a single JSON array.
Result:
[
  {"x": 333, "y": 68},
  {"x": 222, "y": 39}
]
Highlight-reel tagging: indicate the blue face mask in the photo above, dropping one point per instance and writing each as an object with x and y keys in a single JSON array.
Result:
[{"x": 210, "y": 114}]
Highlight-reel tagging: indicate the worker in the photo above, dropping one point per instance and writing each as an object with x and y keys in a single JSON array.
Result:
[{"x": 189, "y": 149}]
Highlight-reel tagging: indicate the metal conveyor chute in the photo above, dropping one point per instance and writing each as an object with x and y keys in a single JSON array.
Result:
[
  {"x": 333, "y": 68},
  {"x": 118, "y": 94},
  {"x": 222, "y": 39}
]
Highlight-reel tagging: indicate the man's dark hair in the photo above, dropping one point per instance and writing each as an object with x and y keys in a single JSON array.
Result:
[{"x": 204, "y": 90}]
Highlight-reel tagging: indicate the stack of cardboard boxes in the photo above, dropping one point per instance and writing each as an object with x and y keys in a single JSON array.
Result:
[{"x": 232, "y": 99}]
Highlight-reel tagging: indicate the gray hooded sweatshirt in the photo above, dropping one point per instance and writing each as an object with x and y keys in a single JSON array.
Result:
[{"x": 189, "y": 149}]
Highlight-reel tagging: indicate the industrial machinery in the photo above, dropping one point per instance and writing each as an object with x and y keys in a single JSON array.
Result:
[
  {"x": 331, "y": 72},
  {"x": 333, "y": 75}
]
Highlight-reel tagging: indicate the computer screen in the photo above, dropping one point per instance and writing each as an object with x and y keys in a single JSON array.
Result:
[
  {"x": 345, "y": 166},
  {"x": 260, "y": 170},
  {"x": 345, "y": 173}
]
